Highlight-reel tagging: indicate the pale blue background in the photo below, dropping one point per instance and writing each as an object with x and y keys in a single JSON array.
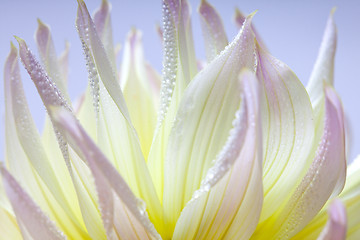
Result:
[{"x": 292, "y": 31}]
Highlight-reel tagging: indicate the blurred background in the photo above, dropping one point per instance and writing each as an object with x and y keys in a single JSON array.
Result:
[{"x": 292, "y": 30}]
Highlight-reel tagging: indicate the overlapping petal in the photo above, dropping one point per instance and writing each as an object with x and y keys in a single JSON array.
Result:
[
  {"x": 139, "y": 91},
  {"x": 228, "y": 202},
  {"x": 266, "y": 163},
  {"x": 106, "y": 179},
  {"x": 51, "y": 189},
  {"x": 203, "y": 119},
  {"x": 115, "y": 133},
  {"x": 288, "y": 130},
  {"x": 325, "y": 177},
  {"x": 34, "y": 224},
  {"x": 213, "y": 30}
]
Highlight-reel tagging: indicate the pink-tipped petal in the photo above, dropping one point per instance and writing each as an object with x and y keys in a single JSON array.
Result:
[
  {"x": 203, "y": 119},
  {"x": 213, "y": 30},
  {"x": 113, "y": 124},
  {"x": 90, "y": 38},
  {"x": 31, "y": 217},
  {"x": 239, "y": 19},
  {"x": 325, "y": 177},
  {"x": 102, "y": 21},
  {"x": 287, "y": 120},
  {"x": 228, "y": 203},
  {"x": 48, "y": 56},
  {"x": 47, "y": 89},
  {"x": 105, "y": 175},
  {"x": 323, "y": 70},
  {"x": 335, "y": 228}
]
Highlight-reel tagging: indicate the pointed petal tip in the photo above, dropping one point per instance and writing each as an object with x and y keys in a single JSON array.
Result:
[
  {"x": 251, "y": 15},
  {"x": 19, "y": 40},
  {"x": 332, "y": 11},
  {"x": 40, "y": 23},
  {"x": 13, "y": 49}
]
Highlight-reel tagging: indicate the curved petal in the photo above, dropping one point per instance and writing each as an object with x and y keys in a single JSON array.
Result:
[
  {"x": 116, "y": 136},
  {"x": 49, "y": 58},
  {"x": 325, "y": 177},
  {"x": 350, "y": 197},
  {"x": 323, "y": 70},
  {"x": 213, "y": 30},
  {"x": 288, "y": 131},
  {"x": 203, "y": 118},
  {"x": 239, "y": 19},
  {"x": 105, "y": 175},
  {"x": 228, "y": 203},
  {"x": 51, "y": 96},
  {"x": 28, "y": 214},
  {"x": 102, "y": 21},
  {"x": 335, "y": 228},
  {"x": 179, "y": 68},
  {"x": 8, "y": 227},
  {"x": 323, "y": 73},
  {"x": 24, "y": 148}
]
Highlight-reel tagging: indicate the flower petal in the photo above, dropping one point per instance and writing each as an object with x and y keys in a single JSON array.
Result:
[
  {"x": 138, "y": 91},
  {"x": 239, "y": 19},
  {"x": 51, "y": 96},
  {"x": 324, "y": 66},
  {"x": 204, "y": 117},
  {"x": 53, "y": 173},
  {"x": 8, "y": 227},
  {"x": 105, "y": 175},
  {"x": 63, "y": 62},
  {"x": 213, "y": 30},
  {"x": 36, "y": 223},
  {"x": 288, "y": 131},
  {"x": 102, "y": 21},
  {"x": 323, "y": 72},
  {"x": 228, "y": 203},
  {"x": 48, "y": 56},
  {"x": 325, "y": 177},
  {"x": 335, "y": 228},
  {"x": 116, "y": 136},
  {"x": 24, "y": 148},
  {"x": 179, "y": 68}
]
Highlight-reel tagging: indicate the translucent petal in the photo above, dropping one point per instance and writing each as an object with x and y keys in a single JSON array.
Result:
[
  {"x": 325, "y": 177},
  {"x": 213, "y": 30},
  {"x": 49, "y": 58},
  {"x": 239, "y": 19},
  {"x": 63, "y": 62},
  {"x": 24, "y": 149},
  {"x": 8, "y": 227},
  {"x": 323, "y": 72},
  {"x": 228, "y": 203},
  {"x": 105, "y": 175},
  {"x": 138, "y": 87},
  {"x": 102, "y": 21},
  {"x": 350, "y": 197},
  {"x": 51, "y": 97},
  {"x": 202, "y": 122},
  {"x": 335, "y": 228},
  {"x": 288, "y": 131},
  {"x": 37, "y": 224},
  {"x": 116, "y": 136}
]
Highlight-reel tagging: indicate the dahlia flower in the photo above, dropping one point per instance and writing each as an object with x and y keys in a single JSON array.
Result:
[{"x": 234, "y": 148}]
